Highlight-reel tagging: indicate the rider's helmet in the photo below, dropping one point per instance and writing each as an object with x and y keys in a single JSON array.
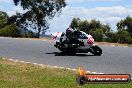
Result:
[{"x": 69, "y": 31}]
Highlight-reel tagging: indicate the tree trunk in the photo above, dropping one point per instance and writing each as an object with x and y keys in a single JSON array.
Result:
[{"x": 38, "y": 34}]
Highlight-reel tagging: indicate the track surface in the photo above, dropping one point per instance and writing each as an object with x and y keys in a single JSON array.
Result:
[{"x": 115, "y": 59}]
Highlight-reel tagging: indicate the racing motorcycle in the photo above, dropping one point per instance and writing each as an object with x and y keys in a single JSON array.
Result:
[{"x": 85, "y": 44}]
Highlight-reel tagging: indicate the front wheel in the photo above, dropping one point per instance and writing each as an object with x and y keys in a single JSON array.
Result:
[{"x": 96, "y": 50}]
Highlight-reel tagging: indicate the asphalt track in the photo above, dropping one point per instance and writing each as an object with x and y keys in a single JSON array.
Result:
[{"x": 115, "y": 59}]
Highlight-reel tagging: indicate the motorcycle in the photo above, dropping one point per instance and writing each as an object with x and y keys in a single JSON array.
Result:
[{"x": 85, "y": 43}]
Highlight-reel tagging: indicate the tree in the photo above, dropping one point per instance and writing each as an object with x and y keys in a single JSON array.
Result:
[
  {"x": 97, "y": 35},
  {"x": 75, "y": 23},
  {"x": 84, "y": 26},
  {"x": 106, "y": 28},
  {"x": 10, "y": 31},
  {"x": 124, "y": 28},
  {"x": 94, "y": 24},
  {"x": 3, "y": 19},
  {"x": 123, "y": 36},
  {"x": 120, "y": 25},
  {"x": 5, "y": 29},
  {"x": 87, "y": 26},
  {"x": 125, "y": 24},
  {"x": 112, "y": 37},
  {"x": 93, "y": 27},
  {"x": 38, "y": 13}
]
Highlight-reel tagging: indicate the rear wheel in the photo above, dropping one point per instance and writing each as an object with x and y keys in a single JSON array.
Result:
[{"x": 96, "y": 50}]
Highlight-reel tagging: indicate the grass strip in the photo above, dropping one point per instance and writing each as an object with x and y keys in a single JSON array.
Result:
[{"x": 21, "y": 75}]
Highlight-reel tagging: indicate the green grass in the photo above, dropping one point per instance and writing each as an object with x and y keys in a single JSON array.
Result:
[{"x": 20, "y": 75}]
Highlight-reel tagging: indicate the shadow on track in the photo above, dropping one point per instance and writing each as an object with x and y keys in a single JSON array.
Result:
[{"x": 61, "y": 54}]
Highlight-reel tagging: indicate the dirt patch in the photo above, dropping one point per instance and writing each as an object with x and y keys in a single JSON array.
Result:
[{"x": 116, "y": 44}]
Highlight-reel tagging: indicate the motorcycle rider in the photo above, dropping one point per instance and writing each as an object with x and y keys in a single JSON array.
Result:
[{"x": 72, "y": 36}]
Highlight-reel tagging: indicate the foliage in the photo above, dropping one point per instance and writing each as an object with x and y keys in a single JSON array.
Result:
[
  {"x": 103, "y": 32},
  {"x": 87, "y": 26},
  {"x": 111, "y": 37},
  {"x": 124, "y": 28},
  {"x": 106, "y": 28},
  {"x": 10, "y": 31},
  {"x": 38, "y": 13},
  {"x": 75, "y": 23},
  {"x": 83, "y": 26},
  {"x": 3, "y": 19},
  {"x": 95, "y": 24},
  {"x": 94, "y": 27},
  {"x": 5, "y": 29},
  {"x": 29, "y": 34},
  {"x": 97, "y": 35},
  {"x": 123, "y": 36},
  {"x": 125, "y": 24}
]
